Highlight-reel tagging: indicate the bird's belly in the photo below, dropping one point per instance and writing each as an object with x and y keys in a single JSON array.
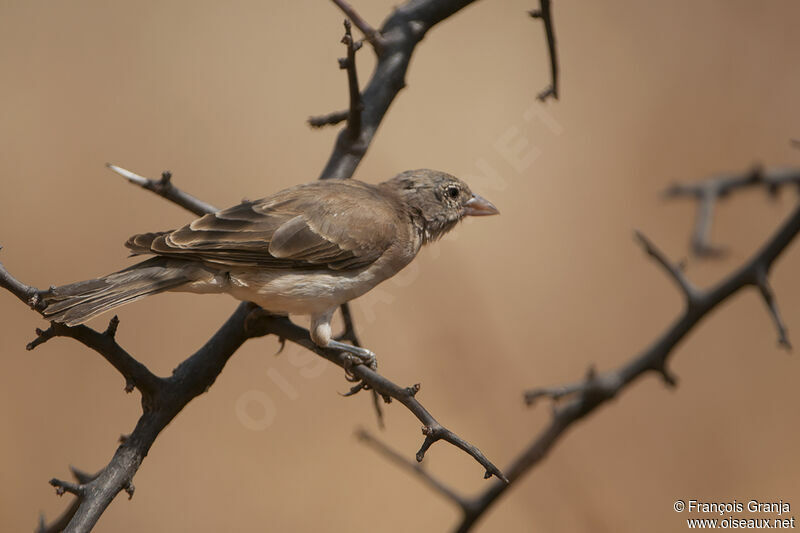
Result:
[{"x": 300, "y": 293}]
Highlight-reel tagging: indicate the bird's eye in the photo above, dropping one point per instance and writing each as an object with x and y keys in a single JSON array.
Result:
[{"x": 452, "y": 192}]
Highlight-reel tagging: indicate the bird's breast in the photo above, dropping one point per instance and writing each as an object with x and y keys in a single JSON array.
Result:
[{"x": 303, "y": 292}]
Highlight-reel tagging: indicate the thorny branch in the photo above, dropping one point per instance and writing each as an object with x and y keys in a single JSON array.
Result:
[
  {"x": 61, "y": 522},
  {"x": 396, "y": 41},
  {"x": 708, "y": 192},
  {"x": 574, "y": 401},
  {"x": 164, "y": 188},
  {"x": 545, "y": 13},
  {"x": 348, "y": 63},
  {"x": 164, "y": 397}
]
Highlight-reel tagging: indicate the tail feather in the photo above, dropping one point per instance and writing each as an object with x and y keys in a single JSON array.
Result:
[{"x": 76, "y": 303}]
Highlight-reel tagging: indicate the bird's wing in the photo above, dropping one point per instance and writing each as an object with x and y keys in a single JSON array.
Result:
[{"x": 333, "y": 225}]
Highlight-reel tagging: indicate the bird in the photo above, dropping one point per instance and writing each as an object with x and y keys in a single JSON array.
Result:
[{"x": 305, "y": 250}]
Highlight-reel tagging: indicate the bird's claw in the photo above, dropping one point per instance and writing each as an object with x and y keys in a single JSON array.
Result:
[
  {"x": 355, "y": 355},
  {"x": 368, "y": 359}
]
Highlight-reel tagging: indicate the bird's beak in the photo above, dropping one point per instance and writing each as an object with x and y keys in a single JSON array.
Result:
[{"x": 477, "y": 206}]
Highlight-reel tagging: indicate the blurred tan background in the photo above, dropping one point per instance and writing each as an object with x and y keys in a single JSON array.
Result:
[{"x": 218, "y": 92}]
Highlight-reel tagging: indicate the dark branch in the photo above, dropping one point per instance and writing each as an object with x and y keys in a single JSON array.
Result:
[
  {"x": 353, "y": 114},
  {"x": 60, "y": 523},
  {"x": 372, "y": 35},
  {"x": 135, "y": 373},
  {"x": 545, "y": 13},
  {"x": 329, "y": 119},
  {"x": 708, "y": 192},
  {"x": 675, "y": 271},
  {"x": 28, "y": 295},
  {"x": 264, "y": 323},
  {"x": 400, "y": 33},
  {"x": 348, "y": 63},
  {"x": 164, "y": 187}
]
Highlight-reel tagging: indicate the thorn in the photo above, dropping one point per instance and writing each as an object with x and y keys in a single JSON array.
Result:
[
  {"x": 41, "y": 338},
  {"x": 130, "y": 488},
  {"x": 428, "y": 432},
  {"x": 756, "y": 173},
  {"x": 354, "y": 390},
  {"x": 124, "y": 438},
  {"x": 282, "y": 341},
  {"x": 111, "y": 330},
  {"x": 128, "y": 175},
  {"x": 66, "y": 486},
  {"x": 670, "y": 379},
  {"x": 378, "y": 411},
  {"x": 413, "y": 389},
  {"x": 129, "y": 385}
]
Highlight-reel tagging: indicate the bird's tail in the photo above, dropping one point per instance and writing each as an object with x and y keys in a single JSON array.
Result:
[{"x": 76, "y": 303}]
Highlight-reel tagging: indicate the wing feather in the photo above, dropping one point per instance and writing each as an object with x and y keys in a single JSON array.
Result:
[{"x": 340, "y": 226}]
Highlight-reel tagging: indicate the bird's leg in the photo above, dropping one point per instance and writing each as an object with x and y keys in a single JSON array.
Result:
[{"x": 321, "y": 335}]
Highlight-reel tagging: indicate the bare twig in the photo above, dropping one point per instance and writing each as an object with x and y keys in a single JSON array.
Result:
[
  {"x": 708, "y": 192},
  {"x": 328, "y": 120},
  {"x": 673, "y": 270},
  {"x": 372, "y": 35},
  {"x": 574, "y": 401},
  {"x": 60, "y": 523},
  {"x": 353, "y": 114},
  {"x": 400, "y": 33},
  {"x": 163, "y": 187},
  {"x": 263, "y": 323},
  {"x": 348, "y": 63},
  {"x": 135, "y": 374},
  {"x": 545, "y": 13},
  {"x": 28, "y": 295}
]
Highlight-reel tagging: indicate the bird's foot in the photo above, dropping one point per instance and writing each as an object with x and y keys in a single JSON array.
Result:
[{"x": 355, "y": 354}]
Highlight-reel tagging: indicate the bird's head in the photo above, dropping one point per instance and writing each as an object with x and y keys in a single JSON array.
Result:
[{"x": 438, "y": 199}]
